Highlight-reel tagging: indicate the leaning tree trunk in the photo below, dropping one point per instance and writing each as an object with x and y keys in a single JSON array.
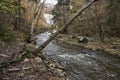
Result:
[{"x": 38, "y": 50}]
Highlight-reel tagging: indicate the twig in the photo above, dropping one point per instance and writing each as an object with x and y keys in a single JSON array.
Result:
[
  {"x": 3, "y": 55},
  {"x": 18, "y": 69}
]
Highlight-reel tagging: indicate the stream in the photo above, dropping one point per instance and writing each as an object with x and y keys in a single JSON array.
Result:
[{"x": 82, "y": 64}]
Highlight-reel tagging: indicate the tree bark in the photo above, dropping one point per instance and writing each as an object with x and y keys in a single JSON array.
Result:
[
  {"x": 18, "y": 13},
  {"x": 32, "y": 21},
  {"x": 41, "y": 47},
  {"x": 40, "y": 13},
  {"x": 35, "y": 15}
]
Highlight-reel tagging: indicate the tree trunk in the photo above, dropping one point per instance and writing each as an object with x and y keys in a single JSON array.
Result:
[
  {"x": 40, "y": 13},
  {"x": 38, "y": 50},
  {"x": 18, "y": 13},
  {"x": 32, "y": 21}
]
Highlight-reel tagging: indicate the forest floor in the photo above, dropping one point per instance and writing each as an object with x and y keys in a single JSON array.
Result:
[
  {"x": 28, "y": 69},
  {"x": 111, "y": 46}
]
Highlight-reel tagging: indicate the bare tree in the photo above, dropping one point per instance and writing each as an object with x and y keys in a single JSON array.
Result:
[
  {"x": 34, "y": 20},
  {"x": 40, "y": 12},
  {"x": 18, "y": 13}
]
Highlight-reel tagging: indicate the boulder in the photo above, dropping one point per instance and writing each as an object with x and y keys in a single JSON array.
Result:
[
  {"x": 30, "y": 47},
  {"x": 38, "y": 60},
  {"x": 82, "y": 39}
]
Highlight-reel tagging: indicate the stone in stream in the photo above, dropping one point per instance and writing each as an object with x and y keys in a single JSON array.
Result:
[{"x": 82, "y": 39}]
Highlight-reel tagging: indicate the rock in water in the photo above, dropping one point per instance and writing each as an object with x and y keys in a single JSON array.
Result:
[{"x": 82, "y": 39}]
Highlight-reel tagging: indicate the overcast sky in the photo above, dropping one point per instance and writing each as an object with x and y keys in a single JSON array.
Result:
[{"x": 50, "y": 2}]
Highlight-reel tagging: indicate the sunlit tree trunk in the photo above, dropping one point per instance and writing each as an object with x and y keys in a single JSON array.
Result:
[
  {"x": 40, "y": 13},
  {"x": 33, "y": 20}
]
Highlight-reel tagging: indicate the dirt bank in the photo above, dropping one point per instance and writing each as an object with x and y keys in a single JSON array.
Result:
[
  {"x": 110, "y": 46},
  {"x": 33, "y": 68}
]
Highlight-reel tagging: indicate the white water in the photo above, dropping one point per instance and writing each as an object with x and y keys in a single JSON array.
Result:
[
  {"x": 50, "y": 3},
  {"x": 48, "y": 18}
]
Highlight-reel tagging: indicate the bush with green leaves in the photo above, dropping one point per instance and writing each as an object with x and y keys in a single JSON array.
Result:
[{"x": 8, "y": 15}]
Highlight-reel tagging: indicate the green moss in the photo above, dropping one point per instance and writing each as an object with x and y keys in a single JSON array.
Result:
[{"x": 26, "y": 55}]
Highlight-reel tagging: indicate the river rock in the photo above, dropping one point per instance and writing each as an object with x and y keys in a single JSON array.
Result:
[
  {"x": 82, "y": 39},
  {"x": 30, "y": 47},
  {"x": 38, "y": 60},
  {"x": 58, "y": 70}
]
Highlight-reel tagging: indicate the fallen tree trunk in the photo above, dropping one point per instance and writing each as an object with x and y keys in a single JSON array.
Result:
[{"x": 41, "y": 47}]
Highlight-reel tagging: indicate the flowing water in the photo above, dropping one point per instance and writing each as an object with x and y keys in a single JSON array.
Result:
[
  {"x": 48, "y": 18},
  {"x": 82, "y": 64}
]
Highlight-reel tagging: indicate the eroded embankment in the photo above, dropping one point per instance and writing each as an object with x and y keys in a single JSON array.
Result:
[{"x": 93, "y": 44}]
